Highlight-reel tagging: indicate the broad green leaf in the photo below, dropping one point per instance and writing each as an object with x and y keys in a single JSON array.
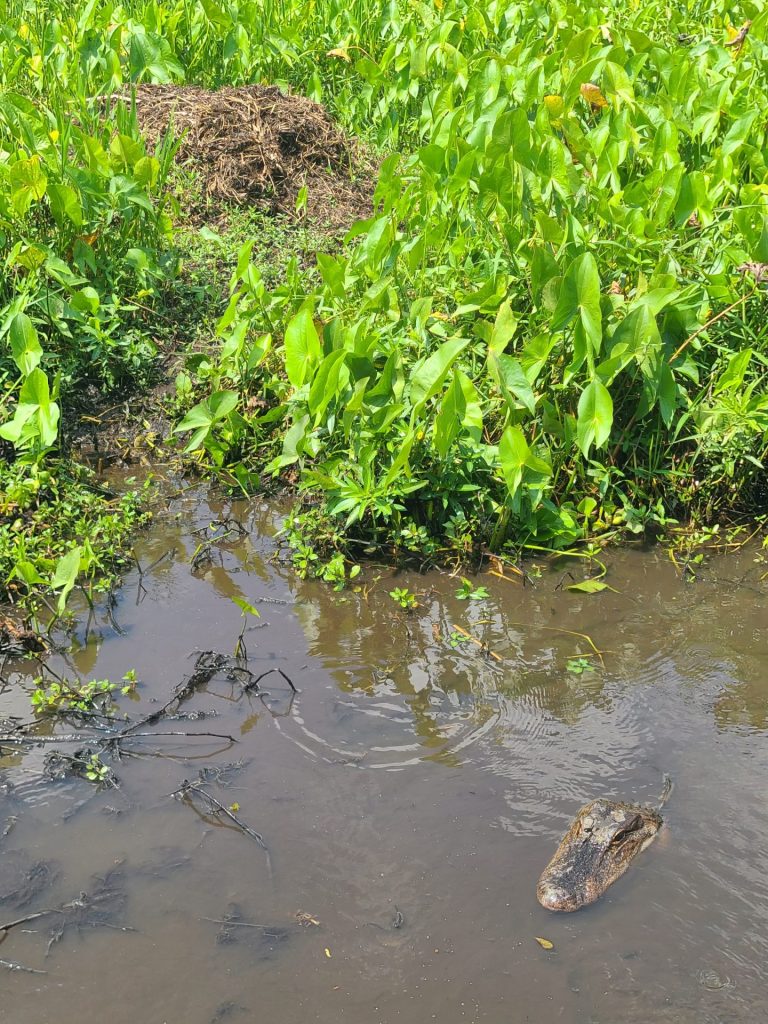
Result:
[
  {"x": 125, "y": 151},
  {"x": 146, "y": 171},
  {"x": 201, "y": 417},
  {"x": 595, "y": 417},
  {"x": 36, "y": 410},
  {"x": 580, "y": 300},
  {"x": 503, "y": 329},
  {"x": 65, "y": 576},
  {"x": 429, "y": 376},
  {"x": 513, "y": 453},
  {"x": 65, "y": 204},
  {"x": 510, "y": 377},
  {"x": 246, "y": 607},
  {"x": 25, "y": 570},
  {"x": 302, "y": 347},
  {"x": 450, "y": 417},
  {"x": 28, "y": 182},
  {"x": 636, "y": 335},
  {"x": 667, "y": 393},
  {"x": 589, "y": 586},
  {"x": 473, "y": 410},
  {"x": 25, "y": 346},
  {"x": 732, "y": 376},
  {"x": 325, "y": 383},
  {"x": 151, "y": 58}
]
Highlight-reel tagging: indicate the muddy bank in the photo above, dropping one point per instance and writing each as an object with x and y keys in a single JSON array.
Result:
[{"x": 409, "y": 796}]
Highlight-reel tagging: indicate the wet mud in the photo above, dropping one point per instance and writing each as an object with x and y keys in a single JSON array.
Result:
[{"x": 408, "y": 792}]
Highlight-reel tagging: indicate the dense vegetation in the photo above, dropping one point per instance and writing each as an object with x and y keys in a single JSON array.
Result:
[{"x": 552, "y": 326}]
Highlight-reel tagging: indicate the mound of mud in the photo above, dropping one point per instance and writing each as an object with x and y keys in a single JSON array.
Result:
[{"x": 255, "y": 145}]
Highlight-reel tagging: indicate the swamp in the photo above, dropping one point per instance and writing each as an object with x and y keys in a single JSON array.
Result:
[{"x": 383, "y": 511}]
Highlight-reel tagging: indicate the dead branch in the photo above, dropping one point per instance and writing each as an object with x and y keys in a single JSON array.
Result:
[{"x": 186, "y": 789}]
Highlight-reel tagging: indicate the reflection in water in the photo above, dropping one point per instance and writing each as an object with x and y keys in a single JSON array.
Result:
[{"x": 414, "y": 780}]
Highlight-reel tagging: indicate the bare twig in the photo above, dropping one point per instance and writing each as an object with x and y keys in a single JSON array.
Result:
[
  {"x": 13, "y": 966},
  {"x": 187, "y": 788},
  {"x": 5, "y": 928},
  {"x": 483, "y": 646},
  {"x": 253, "y": 683}
]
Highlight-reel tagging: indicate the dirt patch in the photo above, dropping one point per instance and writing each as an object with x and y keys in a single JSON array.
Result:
[{"x": 255, "y": 145}]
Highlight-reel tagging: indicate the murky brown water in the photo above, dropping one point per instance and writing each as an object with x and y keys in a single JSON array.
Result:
[{"x": 413, "y": 781}]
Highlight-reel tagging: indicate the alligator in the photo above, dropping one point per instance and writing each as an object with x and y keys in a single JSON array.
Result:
[{"x": 597, "y": 849}]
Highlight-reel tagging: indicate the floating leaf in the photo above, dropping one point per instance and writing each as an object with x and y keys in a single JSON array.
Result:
[
  {"x": 545, "y": 943},
  {"x": 589, "y": 586}
]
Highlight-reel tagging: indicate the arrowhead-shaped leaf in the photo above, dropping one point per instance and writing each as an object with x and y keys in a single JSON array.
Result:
[{"x": 595, "y": 417}]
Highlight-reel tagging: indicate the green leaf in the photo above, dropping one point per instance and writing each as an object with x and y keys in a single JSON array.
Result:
[
  {"x": 28, "y": 181},
  {"x": 595, "y": 417},
  {"x": 513, "y": 453},
  {"x": 429, "y": 376},
  {"x": 399, "y": 466},
  {"x": 450, "y": 417},
  {"x": 146, "y": 171},
  {"x": 580, "y": 300},
  {"x": 150, "y": 57},
  {"x": 202, "y": 417},
  {"x": 325, "y": 383},
  {"x": 25, "y": 347},
  {"x": 510, "y": 377},
  {"x": 636, "y": 334},
  {"x": 65, "y": 576},
  {"x": 65, "y": 203},
  {"x": 125, "y": 151},
  {"x": 246, "y": 608},
  {"x": 503, "y": 329},
  {"x": 302, "y": 347},
  {"x": 589, "y": 586},
  {"x": 732, "y": 376},
  {"x": 473, "y": 410}
]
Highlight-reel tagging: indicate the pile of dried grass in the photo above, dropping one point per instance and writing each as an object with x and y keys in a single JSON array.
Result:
[{"x": 255, "y": 145}]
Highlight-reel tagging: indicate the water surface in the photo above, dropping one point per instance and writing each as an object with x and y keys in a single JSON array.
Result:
[{"x": 409, "y": 794}]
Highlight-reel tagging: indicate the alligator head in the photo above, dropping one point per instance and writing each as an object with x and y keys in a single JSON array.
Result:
[{"x": 596, "y": 850}]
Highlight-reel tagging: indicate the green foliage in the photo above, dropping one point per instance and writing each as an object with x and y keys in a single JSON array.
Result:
[
  {"x": 467, "y": 592},
  {"x": 554, "y": 299},
  {"x": 57, "y": 526},
  {"x": 404, "y": 597},
  {"x": 559, "y": 298},
  {"x": 78, "y": 698},
  {"x": 579, "y": 666}
]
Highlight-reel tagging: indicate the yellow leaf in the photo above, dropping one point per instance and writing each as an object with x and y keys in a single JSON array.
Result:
[
  {"x": 593, "y": 96},
  {"x": 234, "y": 808},
  {"x": 328, "y": 952},
  {"x": 339, "y": 51},
  {"x": 554, "y": 105},
  {"x": 53, "y": 136},
  {"x": 545, "y": 943},
  {"x": 731, "y": 32}
]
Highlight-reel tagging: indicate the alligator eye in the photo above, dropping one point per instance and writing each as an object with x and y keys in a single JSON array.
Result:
[{"x": 632, "y": 826}]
